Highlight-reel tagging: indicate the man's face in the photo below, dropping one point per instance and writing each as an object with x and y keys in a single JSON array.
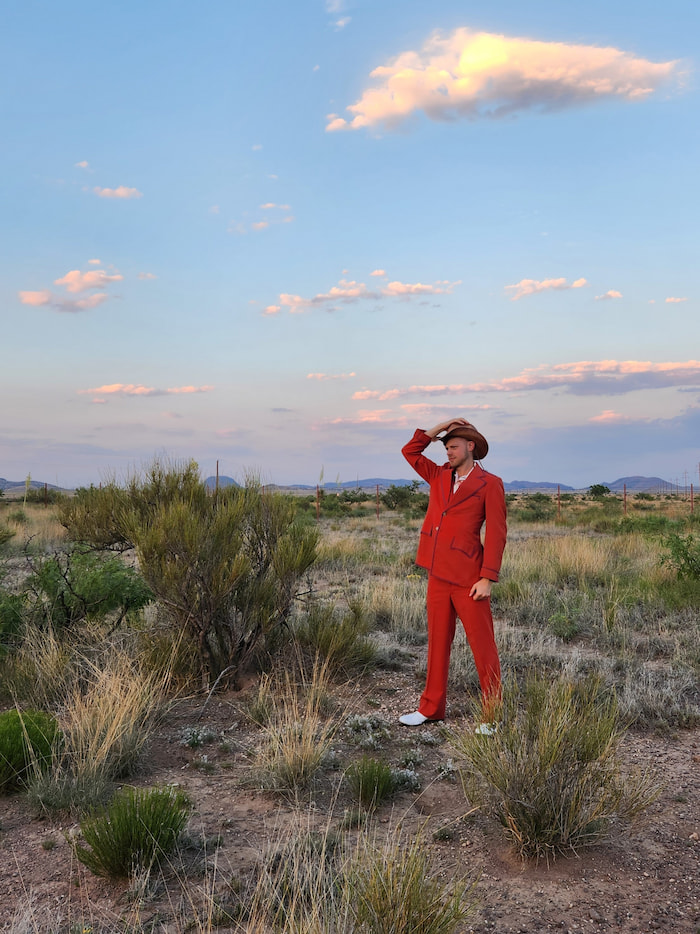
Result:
[{"x": 459, "y": 452}]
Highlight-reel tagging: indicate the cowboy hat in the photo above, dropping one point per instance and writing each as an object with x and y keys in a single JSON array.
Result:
[{"x": 481, "y": 445}]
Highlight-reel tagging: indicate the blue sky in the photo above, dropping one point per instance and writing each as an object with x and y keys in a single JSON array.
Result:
[{"x": 285, "y": 235}]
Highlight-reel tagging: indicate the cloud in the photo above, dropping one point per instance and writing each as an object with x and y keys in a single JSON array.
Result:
[
  {"x": 58, "y": 303},
  {"x": 349, "y": 291},
  {"x": 611, "y": 293},
  {"x": 335, "y": 6},
  {"x": 583, "y": 378},
  {"x": 610, "y": 417},
  {"x": 94, "y": 262},
  {"x": 256, "y": 147},
  {"x": 469, "y": 74},
  {"x": 533, "y": 286},
  {"x": 260, "y": 225},
  {"x": 323, "y": 377},
  {"x": 121, "y": 192},
  {"x": 76, "y": 281},
  {"x": 82, "y": 165},
  {"x": 42, "y": 297},
  {"x": 269, "y": 205},
  {"x": 147, "y": 275},
  {"x": 341, "y": 23},
  {"x": 675, "y": 301},
  {"x": 132, "y": 389}
]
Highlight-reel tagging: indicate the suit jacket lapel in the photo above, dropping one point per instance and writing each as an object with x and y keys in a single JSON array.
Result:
[{"x": 474, "y": 482}]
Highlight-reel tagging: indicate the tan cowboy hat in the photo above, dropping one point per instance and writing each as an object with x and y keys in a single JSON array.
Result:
[{"x": 481, "y": 445}]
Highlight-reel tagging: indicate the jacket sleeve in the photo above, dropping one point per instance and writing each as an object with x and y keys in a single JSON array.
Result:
[
  {"x": 413, "y": 452},
  {"x": 496, "y": 529}
]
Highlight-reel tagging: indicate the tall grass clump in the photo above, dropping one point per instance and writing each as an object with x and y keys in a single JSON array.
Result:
[
  {"x": 106, "y": 720},
  {"x": 392, "y": 890},
  {"x": 339, "y": 641},
  {"x": 138, "y": 829},
  {"x": 297, "y": 738},
  {"x": 551, "y": 774},
  {"x": 27, "y": 739}
]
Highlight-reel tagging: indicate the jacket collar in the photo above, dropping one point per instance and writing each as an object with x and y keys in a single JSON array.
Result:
[{"x": 474, "y": 482}]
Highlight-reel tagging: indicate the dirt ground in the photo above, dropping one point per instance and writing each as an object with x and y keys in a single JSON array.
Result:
[{"x": 646, "y": 878}]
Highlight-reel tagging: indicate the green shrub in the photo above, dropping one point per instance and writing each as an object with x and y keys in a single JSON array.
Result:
[
  {"x": 5, "y": 535},
  {"x": 405, "y": 497},
  {"x": 683, "y": 555},
  {"x": 371, "y": 781},
  {"x": 26, "y": 742},
  {"x": 551, "y": 773},
  {"x": 136, "y": 831},
  {"x": 11, "y": 621},
  {"x": 77, "y": 586},
  {"x": 44, "y": 496},
  {"x": 18, "y": 516}
]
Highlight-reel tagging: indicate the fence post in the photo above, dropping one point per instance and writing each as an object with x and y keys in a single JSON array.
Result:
[
  {"x": 624, "y": 496},
  {"x": 377, "y": 501}
]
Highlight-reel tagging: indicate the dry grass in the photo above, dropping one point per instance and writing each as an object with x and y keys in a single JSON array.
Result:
[{"x": 41, "y": 531}]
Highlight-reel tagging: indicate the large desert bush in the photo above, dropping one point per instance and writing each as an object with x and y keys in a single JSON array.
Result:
[
  {"x": 225, "y": 566},
  {"x": 552, "y": 774}
]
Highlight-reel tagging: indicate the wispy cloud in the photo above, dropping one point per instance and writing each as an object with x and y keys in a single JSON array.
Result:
[
  {"x": 611, "y": 293},
  {"x": 76, "y": 281},
  {"x": 73, "y": 282},
  {"x": 533, "y": 286},
  {"x": 147, "y": 275},
  {"x": 120, "y": 192},
  {"x": 603, "y": 377},
  {"x": 44, "y": 297},
  {"x": 471, "y": 74},
  {"x": 117, "y": 390},
  {"x": 82, "y": 165},
  {"x": 349, "y": 291},
  {"x": 323, "y": 377},
  {"x": 380, "y": 273},
  {"x": 675, "y": 301},
  {"x": 342, "y": 23},
  {"x": 95, "y": 262},
  {"x": 610, "y": 417}
]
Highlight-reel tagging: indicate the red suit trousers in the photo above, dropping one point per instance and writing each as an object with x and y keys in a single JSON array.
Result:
[{"x": 445, "y": 603}]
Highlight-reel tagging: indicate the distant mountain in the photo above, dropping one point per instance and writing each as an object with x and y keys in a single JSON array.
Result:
[
  {"x": 210, "y": 482},
  {"x": 514, "y": 486},
  {"x": 640, "y": 485},
  {"x": 21, "y": 485}
]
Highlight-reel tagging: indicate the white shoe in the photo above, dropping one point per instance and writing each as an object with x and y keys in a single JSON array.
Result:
[
  {"x": 486, "y": 729},
  {"x": 412, "y": 719}
]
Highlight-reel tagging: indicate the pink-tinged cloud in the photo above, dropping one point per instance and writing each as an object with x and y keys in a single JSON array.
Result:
[
  {"x": 323, "y": 377},
  {"x": 120, "y": 192},
  {"x": 610, "y": 417},
  {"x": 42, "y": 297},
  {"x": 675, "y": 301},
  {"x": 76, "y": 281},
  {"x": 133, "y": 389},
  {"x": 469, "y": 74},
  {"x": 611, "y": 293},
  {"x": 58, "y": 303},
  {"x": 260, "y": 225},
  {"x": 270, "y": 205},
  {"x": 378, "y": 272},
  {"x": 534, "y": 286},
  {"x": 348, "y": 291},
  {"x": 272, "y": 309},
  {"x": 604, "y": 377},
  {"x": 147, "y": 276},
  {"x": 82, "y": 165},
  {"x": 95, "y": 262}
]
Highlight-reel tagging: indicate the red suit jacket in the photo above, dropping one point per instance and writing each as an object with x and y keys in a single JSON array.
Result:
[{"x": 450, "y": 539}]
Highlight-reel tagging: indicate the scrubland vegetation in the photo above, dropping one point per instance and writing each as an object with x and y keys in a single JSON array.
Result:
[{"x": 119, "y": 602}]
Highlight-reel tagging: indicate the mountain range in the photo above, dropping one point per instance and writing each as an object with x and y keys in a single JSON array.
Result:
[{"x": 634, "y": 484}]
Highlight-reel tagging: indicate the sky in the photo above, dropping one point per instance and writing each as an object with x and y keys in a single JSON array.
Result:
[{"x": 282, "y": 236}]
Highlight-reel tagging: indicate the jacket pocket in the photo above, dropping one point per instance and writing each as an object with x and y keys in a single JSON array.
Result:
[{"x": 468, "y": 548}]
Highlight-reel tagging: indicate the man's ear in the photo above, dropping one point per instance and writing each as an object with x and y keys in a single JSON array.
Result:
[{"x": 470, "y": 446}]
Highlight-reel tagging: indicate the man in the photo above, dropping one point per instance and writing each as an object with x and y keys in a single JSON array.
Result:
[{"x": 463, "y": 496}]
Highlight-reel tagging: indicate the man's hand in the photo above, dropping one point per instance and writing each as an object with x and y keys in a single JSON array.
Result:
[
  {"x": 448, "y": 426},
  {"x": 481, "y": 589}
]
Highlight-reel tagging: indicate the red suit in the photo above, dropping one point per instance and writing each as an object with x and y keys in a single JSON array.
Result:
[{"x": 450, "y": 548}]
